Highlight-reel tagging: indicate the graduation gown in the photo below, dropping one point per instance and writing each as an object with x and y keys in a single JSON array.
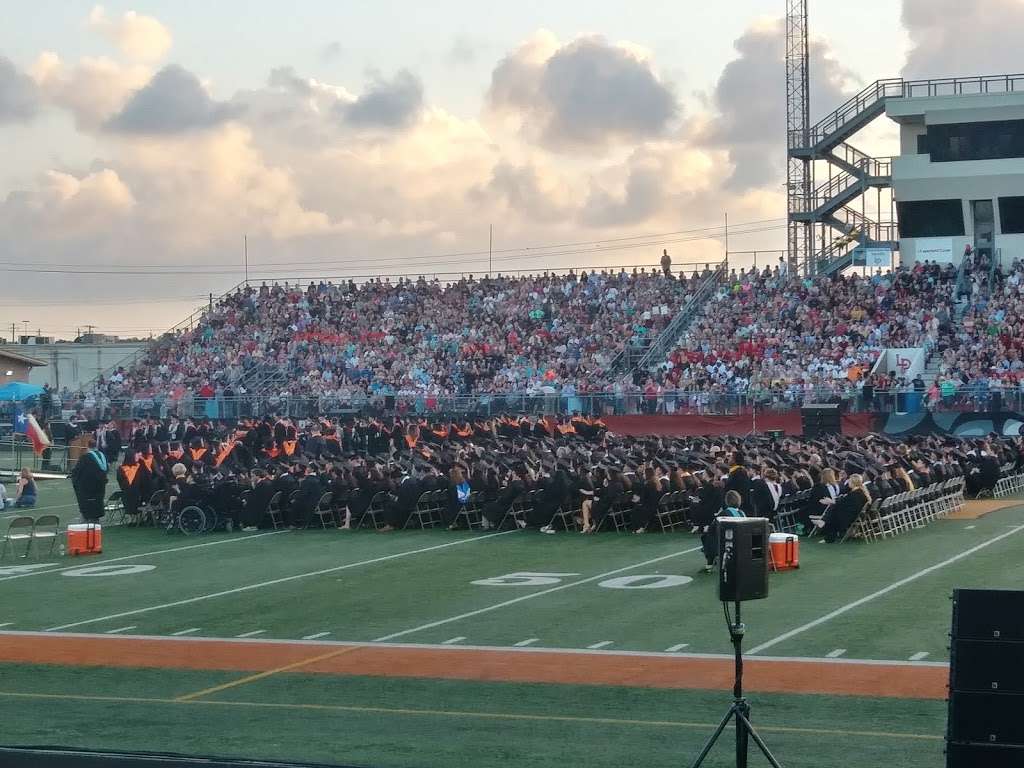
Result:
[{"x": 89, "y": 480}]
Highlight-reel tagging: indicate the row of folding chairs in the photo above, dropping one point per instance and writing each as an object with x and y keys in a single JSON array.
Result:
[
  {"x": 26, "y": 530},
  {"x": 903, "y": 512},
  {"x": 1009, "y": 484}
]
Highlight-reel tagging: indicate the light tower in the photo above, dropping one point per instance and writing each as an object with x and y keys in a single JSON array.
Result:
[{"x": 798, "y": 125}]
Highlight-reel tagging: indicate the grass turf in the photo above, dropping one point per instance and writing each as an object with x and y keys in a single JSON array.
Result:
[
  {"x": 398, "y": 722},
  {"x": 363, "y": 586}
]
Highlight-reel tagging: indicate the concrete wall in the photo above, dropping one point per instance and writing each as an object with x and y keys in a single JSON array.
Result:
[{"x": 71, "y": 365}]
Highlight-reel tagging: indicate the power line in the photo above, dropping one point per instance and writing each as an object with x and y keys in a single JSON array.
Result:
[
  {"x": 520, "y": 255},
  {"x": 53, "y": 267}
]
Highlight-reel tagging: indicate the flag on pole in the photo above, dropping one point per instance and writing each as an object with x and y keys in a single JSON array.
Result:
[{"x": 26, "y": 424}]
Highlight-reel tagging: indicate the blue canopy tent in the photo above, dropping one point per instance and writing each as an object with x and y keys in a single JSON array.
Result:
[{"x": 17, "y": 392}]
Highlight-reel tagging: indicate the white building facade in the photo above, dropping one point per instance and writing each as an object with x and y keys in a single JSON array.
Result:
[{"x": 959, "y": 179}]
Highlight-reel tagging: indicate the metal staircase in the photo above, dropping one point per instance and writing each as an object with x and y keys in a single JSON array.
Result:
[
  {"x": 263, "y": 379},
  {"x": 666, "y": 341},
  {"x": 817, "y": 209}
]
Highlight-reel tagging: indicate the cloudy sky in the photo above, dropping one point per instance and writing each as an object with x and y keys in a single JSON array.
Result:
[{"x": 144, "y": 140}]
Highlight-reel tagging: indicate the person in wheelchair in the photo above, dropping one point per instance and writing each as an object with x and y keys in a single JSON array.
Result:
[{"x": 189, "y": 502}]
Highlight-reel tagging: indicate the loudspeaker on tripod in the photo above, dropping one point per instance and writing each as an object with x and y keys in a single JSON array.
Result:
[{"x": 743, "y": 558}]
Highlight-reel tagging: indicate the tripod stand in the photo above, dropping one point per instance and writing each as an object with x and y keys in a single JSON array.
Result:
[{"x": 740, "y": 708}]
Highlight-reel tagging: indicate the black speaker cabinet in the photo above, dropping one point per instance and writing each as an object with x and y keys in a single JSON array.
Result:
[
  {"x": 986, "y": 679},
  {"x": 983, "y": 756},
  {"x": 986, "y": 718},
  {"x": 987, "y": 665},
  {"x": 820, "y": 419},
  {"x": 988, "y": 614},
  {"x": 742, "y": 558}
]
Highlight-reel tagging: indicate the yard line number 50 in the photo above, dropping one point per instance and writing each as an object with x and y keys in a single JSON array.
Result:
[{"x": 536, "y": 579}]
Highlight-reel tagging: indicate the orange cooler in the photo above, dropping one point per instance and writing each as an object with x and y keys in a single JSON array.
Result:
[
  {"x": 85, "y": 539},
  {"x": 785, "y": 551}
]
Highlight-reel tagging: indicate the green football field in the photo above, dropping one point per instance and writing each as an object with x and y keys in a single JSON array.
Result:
[{"x": 427, "y": 648}]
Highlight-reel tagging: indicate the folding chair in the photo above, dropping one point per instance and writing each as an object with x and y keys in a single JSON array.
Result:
[
  {"x": 567, "y": 516},
  {"x": 325, "y": 510},
  {"x": 424, "y": 511},
  {"x": 20, "y": 529},
  {"x": 114, "y": 510},
  {"x": 668, "y": 512},
  {"x": 274, "y": 511},
  {"x": 375, "y": 511},
  {"x": 470, "y": 511},
  {"x": 153, "y": 509},
  {"x": 517, "y": 511},
  {"x": 293, "y": 500},
  {"x": 46, "y": 527},
  {"x": 857, "y": 528}
]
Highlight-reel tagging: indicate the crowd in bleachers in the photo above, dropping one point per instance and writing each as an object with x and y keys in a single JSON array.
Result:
[
  {"x": 420, "y": 337},
  {"x": 763, "y": 332},
  {"x": 984, "y": 357},
  {"x": 550, "y": 342}
]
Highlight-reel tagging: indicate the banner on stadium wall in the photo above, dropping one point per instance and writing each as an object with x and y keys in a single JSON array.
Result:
[
  {"x": 938, "y": 249},
  {"x": 906, "y": 361},
  {"x": 873, "y": 256}
]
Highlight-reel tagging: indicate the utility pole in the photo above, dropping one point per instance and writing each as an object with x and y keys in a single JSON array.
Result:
[
  {"x": 245, "y": 249},
  {"x": 490, "y": 248}
]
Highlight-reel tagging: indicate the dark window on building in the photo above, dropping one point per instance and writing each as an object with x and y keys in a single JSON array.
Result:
[
  {"x": 931, "y": 218},
  {"x": 1011, "y": 215},
  {"x": 922, "y": 144},
  {"x": 991, "y": 140}
]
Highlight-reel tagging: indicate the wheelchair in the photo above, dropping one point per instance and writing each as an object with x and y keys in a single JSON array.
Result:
[{"x": 197, "y": 516}]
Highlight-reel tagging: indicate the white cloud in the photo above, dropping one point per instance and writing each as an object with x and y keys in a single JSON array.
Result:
[
  {"x": 63, "y": 205},
  {"x": 139, "y": 37},
  {"x": 585, "y": 94},
  {"x": 953, "y": 38},
  {"x": 93, "y": 90}
]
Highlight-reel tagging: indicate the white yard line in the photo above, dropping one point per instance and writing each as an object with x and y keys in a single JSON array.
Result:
[
  {"x": 528, "y": 641},
  {"x": 188, "y": 631},
  {"x": 317, "y": 636},
  {"x": 602, "y": 644},
  {"x": 6, "y": 624},
  {"x": 836, "y": 653},
  {"x": 274, "y": 582},
  {"x": 882, "y": 592},
  {"x": 253, "y": 633},
  {"x": 677, "y": 648},
  {"x": 153, "y": 553},
  {"x": 453, "y": 641},
  {"x": 531, "y": 596},
  {"x": 919, "y": 656},
  {"x": 119, "y": 630}
]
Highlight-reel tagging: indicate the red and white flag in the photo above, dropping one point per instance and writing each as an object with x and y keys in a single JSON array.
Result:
[{"x": 39, "y": 439}]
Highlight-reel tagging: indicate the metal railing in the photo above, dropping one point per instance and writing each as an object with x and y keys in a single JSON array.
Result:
[
  {"x": 879, "y": 231},
  {"x": 625, "y": 402},
  {"x": 845, "y": 182},
  {"x": 880, "y": 90},
  {"x": 668, "y": 337},
  {"x": 16, "y": 452}
]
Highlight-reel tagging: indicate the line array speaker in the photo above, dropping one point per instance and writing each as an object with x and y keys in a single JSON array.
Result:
[{"x": 986, "y": 679}]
